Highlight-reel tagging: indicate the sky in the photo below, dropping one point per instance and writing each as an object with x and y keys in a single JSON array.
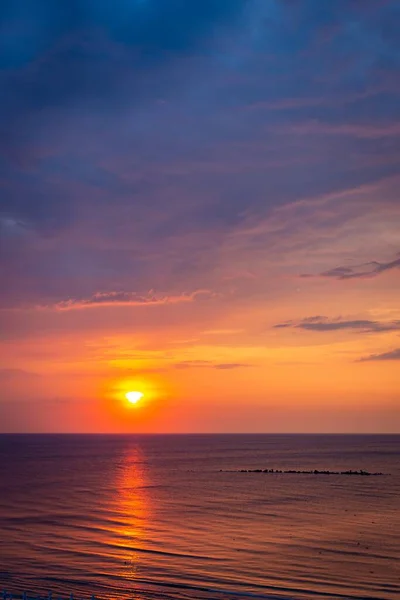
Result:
[{"x": 200, "y": 201}]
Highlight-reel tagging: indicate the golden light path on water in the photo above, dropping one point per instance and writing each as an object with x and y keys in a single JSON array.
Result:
[{"x": 132, "y": 510}]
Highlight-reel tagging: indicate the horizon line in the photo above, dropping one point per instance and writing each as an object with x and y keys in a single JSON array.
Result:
[{"x": 98, "y": 433}]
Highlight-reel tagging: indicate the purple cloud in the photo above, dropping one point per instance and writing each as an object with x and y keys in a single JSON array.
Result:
[
  {"x": 391, "y": 355},
  {"x": 363, "y": 271},
  {"x": 227, "y": 366},
  {"x": 187, "y": 364},
  {"x": 371, "y": 269},
  {"x": 323, "y": 324},
  {"x": 122, "y": 298}
]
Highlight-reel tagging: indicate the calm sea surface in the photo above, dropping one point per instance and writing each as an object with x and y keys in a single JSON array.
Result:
[{"x": 145, "y": 517}]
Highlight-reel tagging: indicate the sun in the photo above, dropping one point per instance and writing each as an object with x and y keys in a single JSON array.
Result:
[{"x": 133, "y": 397}]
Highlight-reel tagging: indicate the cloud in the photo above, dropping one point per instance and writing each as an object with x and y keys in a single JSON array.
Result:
[
  {"x": 144, "y": 165},
  {"x": 222, "y": 331},
  {"x": 71, "y": 64},
  {"x": 121, "y": 298},
  {"x": 337, "y": 272},
  {"x": 296, "y": 102},
  {"x": 371, "y": 269},
  {"x": 17, "y": 375},
  {"x": 363, "y": 271},
  {"x": 323, "y": 324},
  {"x": 354, "y": 130},
  {"x": 79, "y": 49},
  {"x": 391, "y": 355},
  {"x": 187, "y": 364},
  {"x": 227, "y": 366}
]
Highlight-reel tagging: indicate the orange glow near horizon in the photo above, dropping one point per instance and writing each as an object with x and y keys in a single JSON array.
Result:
[
  {"x": 213, "y": 384},
  {"x": 208, "y": 368},
  {"x": 130, "y": 404}
]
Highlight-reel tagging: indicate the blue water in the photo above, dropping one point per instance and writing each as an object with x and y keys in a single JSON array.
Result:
[{"x": 171, "y": 517}]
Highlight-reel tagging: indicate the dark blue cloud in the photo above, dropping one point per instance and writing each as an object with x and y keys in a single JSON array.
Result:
[
  {"x": 174, "y": 117},
  {"x": 153, "y": 28},
  {"x": 86, "y": 49},
  {"x": 61, "y": 58}
]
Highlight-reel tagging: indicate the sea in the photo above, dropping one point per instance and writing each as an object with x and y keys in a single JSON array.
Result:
[{"x": 173, "y": 516}]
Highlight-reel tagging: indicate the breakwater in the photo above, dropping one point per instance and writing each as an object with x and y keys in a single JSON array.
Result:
[{"x": 360, "y": 472}]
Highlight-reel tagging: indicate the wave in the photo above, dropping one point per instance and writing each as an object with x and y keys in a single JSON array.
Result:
[{"x": 264, "y": 593}]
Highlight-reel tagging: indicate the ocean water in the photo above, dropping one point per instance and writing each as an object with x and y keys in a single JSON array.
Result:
[{"x": 162, "y": 516}]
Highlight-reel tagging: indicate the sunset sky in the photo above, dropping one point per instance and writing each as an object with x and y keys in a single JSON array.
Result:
[{"x": 200, "y": 201}]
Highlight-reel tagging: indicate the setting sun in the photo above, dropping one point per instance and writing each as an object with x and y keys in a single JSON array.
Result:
[{"x": 133, "y": 397}]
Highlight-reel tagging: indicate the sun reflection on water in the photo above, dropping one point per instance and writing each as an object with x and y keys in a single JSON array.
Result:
[{"x": 132, "y": 510}]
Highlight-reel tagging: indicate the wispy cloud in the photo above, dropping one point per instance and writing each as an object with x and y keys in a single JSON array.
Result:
[
  {"x": 371, "y": 269},
  {"x": 391, "y": 355},
  {"x": 121, "y": 298},
  {"x": 355, "y": 130},
  {"x": 187, "y": 364},
  {"x": 296, "y": 102},
  {"x": 222, "y": 331},
  {"x": 11, "y": 375},
  {"x": 322, "y": 324},
  {"x": 227, "y": 366},
  {"x": 365, "y": 270}
]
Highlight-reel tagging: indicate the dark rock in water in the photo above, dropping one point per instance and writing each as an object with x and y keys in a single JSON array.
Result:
[{"x": 361, "y": 472}]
